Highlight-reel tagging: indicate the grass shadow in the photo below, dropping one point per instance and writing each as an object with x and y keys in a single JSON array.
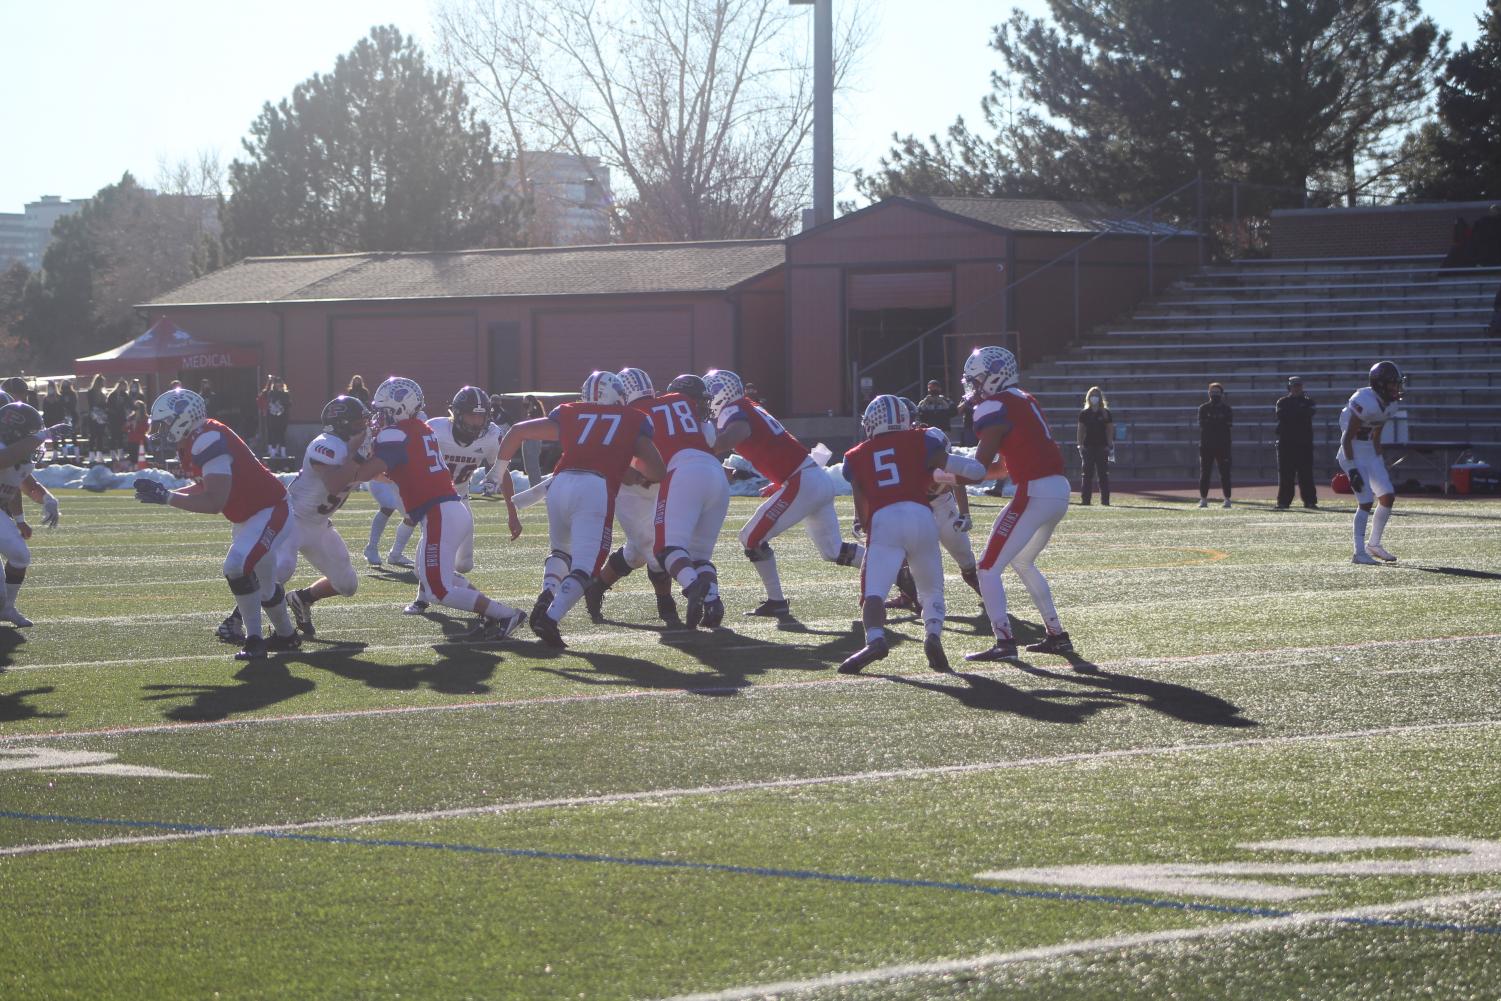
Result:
[
  {"x": 1178, "y": 701},
  {"x": 13, "y": 705},
  {"x": 262, "y": 683},
  {"x": 461, "y": 668},
  {"x": 10, "y": 640},
  {"x": 1052, "y": 705}
]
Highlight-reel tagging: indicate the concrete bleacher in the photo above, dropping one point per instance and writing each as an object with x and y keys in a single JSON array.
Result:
[{"x": 1251, "y": 324}]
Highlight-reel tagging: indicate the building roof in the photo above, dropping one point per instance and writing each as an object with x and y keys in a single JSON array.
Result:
[
  {"x": 612, "y": 269},
  {"x": 1046, "y": 215}
]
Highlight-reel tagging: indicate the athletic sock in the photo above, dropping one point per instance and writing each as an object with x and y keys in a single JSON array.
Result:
[
  {"x": 250, "y": 612},
  {"x": 873, "y": 633},
  {"x": 14, "y": 576},
  {"x": 403, "y": 536},
  {"x": 687, "y": 575},
  {"x": 378, "y": 528},
  {"x": 277, "y": 613},
  {"x": 1378, "y": 523},
  {"x": 554, "y": 569},
  {"x": 569, "y": 594},
  {"x": 994, "y": 595},
  {"x": 767, "y": 568},
  {"x": 1361, "y": 517}
]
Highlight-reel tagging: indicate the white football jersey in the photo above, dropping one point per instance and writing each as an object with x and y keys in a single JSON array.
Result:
[
  {"x": 10, "y": 482},
  {"x": 1368, "y": 406},
  {"x": 463, "y": 460},
  {"x": 309, "y": 495}
]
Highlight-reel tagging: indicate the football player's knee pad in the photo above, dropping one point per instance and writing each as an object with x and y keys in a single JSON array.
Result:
[
  {"x": 759, "y": 554},
  {"x": 665, "y": 557},
  {"x": 849, "y": 554},
  {"x": 277, "y": 597},
  {"x": 18, "y": 556},
  {"x": 15, "y": 573},
  {"x": 704, "y": 566},
  {"x": 386, "y": 512},
  {"x": 620, "y": 565},
  {"x": 346, "y": 582},
  {"x": 244, "y": 584}
]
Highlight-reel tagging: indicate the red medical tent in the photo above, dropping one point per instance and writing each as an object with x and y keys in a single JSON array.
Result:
[{"x": 165, "y": 351}]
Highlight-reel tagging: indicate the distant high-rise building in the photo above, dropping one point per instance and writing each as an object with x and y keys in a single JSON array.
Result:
[
  {"x": 24, "y": 235},
  {"x": 570, "y": 198}
]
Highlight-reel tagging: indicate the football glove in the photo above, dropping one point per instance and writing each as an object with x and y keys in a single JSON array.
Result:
[
  {"x": 963, "y": 523},
  {"x": 1357, "y": 482},
  {"x": 489, "y": 488},
  {"x": 58, "y": 432},
  {"x": 50, "y": 512},
  {"x": 151, "y": 492},
  {"x": 857, "y": 529}
]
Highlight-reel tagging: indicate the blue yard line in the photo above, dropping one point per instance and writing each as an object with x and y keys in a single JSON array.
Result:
[{"x": 764, "y": 871}]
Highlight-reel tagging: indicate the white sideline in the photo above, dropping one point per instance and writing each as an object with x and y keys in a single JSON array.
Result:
[
  {"x": 492, "y": 809},
  {"x": 1112, "y": 943}
]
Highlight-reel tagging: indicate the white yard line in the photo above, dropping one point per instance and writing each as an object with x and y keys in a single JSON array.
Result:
[
  {"x": 657, "y": 795},
  {"x": 1114, "y": 943}
]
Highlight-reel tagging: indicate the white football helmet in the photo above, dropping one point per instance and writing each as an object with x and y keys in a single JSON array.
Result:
[
  {"x": 176, "y": 414},
  {"x": 724, "y": 388},
  {"x": 637, "y": 384},
  {"x": 603, "y": 387},
  {"x": 990, "y": 370},
  {"x": 886, "y": 413},
  {"x": 395, "y": 400}
]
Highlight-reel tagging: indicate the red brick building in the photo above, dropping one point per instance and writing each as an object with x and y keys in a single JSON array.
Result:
[{"x": 802, "y": 318}]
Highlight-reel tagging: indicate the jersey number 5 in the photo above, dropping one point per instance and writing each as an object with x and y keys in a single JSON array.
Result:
[
  {"x": 430, "y": 446},
  {"x": 890, "y": 475}
]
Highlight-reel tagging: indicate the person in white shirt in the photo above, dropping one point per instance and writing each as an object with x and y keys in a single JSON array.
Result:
[{"x": 1360, "y": 426}]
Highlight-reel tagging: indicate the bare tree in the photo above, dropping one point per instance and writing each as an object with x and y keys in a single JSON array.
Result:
[{"x": 702, "y": 107}]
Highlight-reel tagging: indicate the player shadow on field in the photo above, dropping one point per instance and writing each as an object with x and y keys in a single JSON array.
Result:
[
  {"x": 13, "y": 706},
  {"x": 1453, "y": 571},
  {"x": 262, "y": 683},
  {"x": 461, "y": 668},
  {"x": 1178, "y": 701},
  {"x": 1053, "y": 705},
  {"x": 10, "y": 639}
]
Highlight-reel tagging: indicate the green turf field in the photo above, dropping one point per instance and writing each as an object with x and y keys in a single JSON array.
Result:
[{"x": 1268, "y": 774}]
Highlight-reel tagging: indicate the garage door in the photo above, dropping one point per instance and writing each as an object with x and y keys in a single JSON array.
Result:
[
  {"x": 900, "y": 290},
  {"x": 440, "y": 352},
  {"x": 569, "y": 345}
]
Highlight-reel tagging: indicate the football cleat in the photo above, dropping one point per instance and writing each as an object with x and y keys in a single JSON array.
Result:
[
  {"x": 231, "y": 630},
  {"x": 938, "y": 661},
  {"x": 772, "y": 609},
  {"x": 302, "y": 613},
  {"x": 1364, "y": 559},
  {"x": 694, "y": 594},
  {"x": 398, "y": 560},
  {"x": 490, "y": 630},
  {"x": 14, "y": 617},
  {"x": 594, "y": 600},
  {"x": 278, "y": 643},
  {"x": 254, "y": 649},
  {"x": 1380, "y": 552},
  {"x": 1003, "y": 650},
  {"x": 539, "y": 609},
  {"x": 1056, "y": 643},
  {"x": 372, "y": 555},
  {"x": 546, "y": 629},
  {"x": 713, "y": 613},
  {"x": 1203, "y": 502},
  {"x": 868, "y": 654},
  {"x": 1227, "y": 503},
  {"x": 667, "y": 611},
  {"x": 418, "y": 607}
]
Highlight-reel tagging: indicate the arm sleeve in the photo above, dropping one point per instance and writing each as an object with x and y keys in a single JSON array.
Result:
[
  {"x": 391, "y": 447},
  {"x": 846, "y": 471},
  {"x": 963, "y": 465},
  {"x": 989, "y": 414},
  {"x": 211, "y": 453}
]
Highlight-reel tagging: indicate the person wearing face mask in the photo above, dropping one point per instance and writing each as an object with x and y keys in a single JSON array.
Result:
[
  {"x": 1096, "y": 442},
  {"x": 1295, "y": 446},
  {"x": 1214, "y": 442}
]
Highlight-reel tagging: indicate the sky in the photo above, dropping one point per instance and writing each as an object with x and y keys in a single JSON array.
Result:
[{"x": 97, "y": 88}]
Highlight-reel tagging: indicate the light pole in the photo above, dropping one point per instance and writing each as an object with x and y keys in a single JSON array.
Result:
[{"x": 823, "y": 108}]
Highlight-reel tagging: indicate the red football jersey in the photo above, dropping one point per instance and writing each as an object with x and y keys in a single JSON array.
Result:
[
  {"x": 774, "y": 452},
  {"x": 1029, "y": 448},
  {"x": 891, "y": 468},
  {"x": 599, "y": 437},
  {"x": 415, "y": 463},
  {"x": 676, "y": 426},
  {"x": 252, "y": 488}
]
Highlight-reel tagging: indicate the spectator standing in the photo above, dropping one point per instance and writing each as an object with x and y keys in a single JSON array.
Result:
[
  {"x": 53, "y": 409},
  {"x": 357, "y": 389},
  {"x": 1096, "y": 440},
  {"x": 752, "y": 393},
  {"x": 1495, "y": 326},
  {"x": 69, "y": 399},
  {"x": 136, "y": 426},
  {"x": 93, "y": 413},
  {"x": 1214, "y": 443},
  {"x": 278, "y": 410},
  {"x": 117, "y": 408},
  {"x": 1295, "y": 446},
  {"x": 936, "y": 410},
  {"x": 137, "y": 394}
]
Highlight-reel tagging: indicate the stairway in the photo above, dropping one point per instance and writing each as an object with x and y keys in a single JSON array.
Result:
[{"x": 1252, "y": 324}]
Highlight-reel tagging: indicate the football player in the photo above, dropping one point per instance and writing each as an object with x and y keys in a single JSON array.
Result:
[
  {"x": 468, "y": 441},
  {"x": 601, "y": 437},
  {"x": 636, "y": 510},
  {"x": 800, "y": 491},
  {"x": 891, "y": 473},
  {"x": 406, "y": 451},
  {"x": 1010, "y": 424},
  {"x": 329, "y": 468},
  {"x": 950, "y": 506},
  {"x": 21, "y": 438},
  {"x": 388, "y": 501},
  {"x": 228, "y": 479},
  {"x": 1360, "y": 427},
  {"x": 694, "y": 498}
]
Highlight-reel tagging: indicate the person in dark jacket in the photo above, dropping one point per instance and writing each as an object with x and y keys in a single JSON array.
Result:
[
  {"x": 278, "y": 413},
  {"x": 1096, "y": 441},
  {"x": 936, "y": 410},
  {"x": 1214, "y": 442},
  {"x": 1295, "y": 446},
  {"x": 117, "y": 409}
]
